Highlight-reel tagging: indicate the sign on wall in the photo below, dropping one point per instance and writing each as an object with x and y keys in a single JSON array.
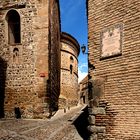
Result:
[{"x": 111, "y": 41}]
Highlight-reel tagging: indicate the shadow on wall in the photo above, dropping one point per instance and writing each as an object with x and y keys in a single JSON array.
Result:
[
  {"x": 82, "y": 123},
  {"x": 3, "y": 68},
  {"x": 51, "y": 100}
]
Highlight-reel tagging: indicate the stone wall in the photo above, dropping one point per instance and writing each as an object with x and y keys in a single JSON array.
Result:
[
  {"x": 27, "y": 77},
  {"x": 83, "y": 91},
  {"x": 69, "y": 70},
  {"x": 120, "y": 71},
  {"x": 54, "y": 55}
]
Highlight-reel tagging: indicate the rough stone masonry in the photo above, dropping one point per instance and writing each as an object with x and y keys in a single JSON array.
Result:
[
  {"x": 114, "y": 50},
  {"x": 31, "y": 44},
  {"x": 29, "y": 57}
]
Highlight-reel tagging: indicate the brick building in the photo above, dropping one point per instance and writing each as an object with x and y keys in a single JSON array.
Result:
[
  {"x": 83, "y": 91},
  {"x": 114, "y": 50},
  {"x": 69, "y": 71},
  {"x": 29, "y": 57}
]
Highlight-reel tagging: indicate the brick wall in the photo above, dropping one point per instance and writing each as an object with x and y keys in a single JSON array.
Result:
[
  {"x": 83, "y": 91},
  {"x": 54, "y": 55},
  {"x": 69, "y": 78},
  {"x": 121, "y": 74}
]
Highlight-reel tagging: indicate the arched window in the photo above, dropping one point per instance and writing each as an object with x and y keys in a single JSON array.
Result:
[
  {"x": 13, "y": 20},
  {"x": 71, "y": 59},
  {"x": 15, "y": 55},
  {"x": 71, "y": 69}
]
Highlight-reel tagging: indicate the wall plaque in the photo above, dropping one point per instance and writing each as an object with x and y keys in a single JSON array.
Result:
[{"x": 111, "y": 41}]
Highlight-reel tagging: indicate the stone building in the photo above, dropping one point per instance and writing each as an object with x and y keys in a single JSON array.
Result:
[
  {"x": 69, "y": 71},
  {"x": 29, "y": 57},
  {"x": 114, "y": 50},
  {"x": 83, "y": 91}
]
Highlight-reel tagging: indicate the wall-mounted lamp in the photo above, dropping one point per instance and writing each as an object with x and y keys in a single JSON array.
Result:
[{"x": 83, "y": 48}]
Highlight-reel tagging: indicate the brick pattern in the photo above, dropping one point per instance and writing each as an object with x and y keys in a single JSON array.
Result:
[
  {"x": 69, "y": 80},
  {"x": 54, "y": 55},
  {"x": 83, "y": 91},
  {"x": 121, "y": 74}
]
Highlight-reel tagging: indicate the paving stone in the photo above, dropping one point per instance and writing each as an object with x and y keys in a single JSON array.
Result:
[{"x": 57, "y": 128}]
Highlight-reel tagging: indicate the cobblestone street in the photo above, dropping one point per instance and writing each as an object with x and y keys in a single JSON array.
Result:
[{"x": 57, "y": 128}]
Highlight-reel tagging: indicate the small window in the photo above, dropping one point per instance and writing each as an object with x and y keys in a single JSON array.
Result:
[
  {"x": 71, "y": 59},
  {"x": 71, "y": 69},
  {"x": 13, "y": 20},
  {"x": 16, "y": 55}
]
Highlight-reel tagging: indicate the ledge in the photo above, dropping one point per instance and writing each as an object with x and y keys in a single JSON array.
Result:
[{"x": 97, "y": 110}]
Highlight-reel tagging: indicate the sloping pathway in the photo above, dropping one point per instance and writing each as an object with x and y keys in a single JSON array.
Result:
[{"x": 57, "y": 128}]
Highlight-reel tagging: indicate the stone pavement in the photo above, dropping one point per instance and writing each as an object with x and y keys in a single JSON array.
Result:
[{"x": 57, "y": 128}]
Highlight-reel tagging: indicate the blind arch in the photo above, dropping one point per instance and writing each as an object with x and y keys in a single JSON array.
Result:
[{"x": 13, "y": 20}]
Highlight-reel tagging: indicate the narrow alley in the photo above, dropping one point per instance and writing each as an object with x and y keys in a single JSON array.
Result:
[{"x": 59, "y": 127}]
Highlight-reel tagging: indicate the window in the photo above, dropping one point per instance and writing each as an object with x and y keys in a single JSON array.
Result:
[
  {"x": 13, "y": 20},
  {"x": 15, "y": 55},
  {"x": 71, "y": 59},
  {"x": 71, "y": 69}
]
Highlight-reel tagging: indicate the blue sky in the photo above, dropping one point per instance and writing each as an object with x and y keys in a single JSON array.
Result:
[{"x": 74, "y": 22}]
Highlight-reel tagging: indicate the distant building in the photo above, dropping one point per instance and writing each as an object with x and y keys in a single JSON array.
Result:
[
  {"x": 83, "y": 91},
  {"x": 114, "y": 50},
  {"x": 69, "y": 71}
]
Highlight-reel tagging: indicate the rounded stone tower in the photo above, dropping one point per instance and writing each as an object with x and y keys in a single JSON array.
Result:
[{"x": 69, "y": 71}]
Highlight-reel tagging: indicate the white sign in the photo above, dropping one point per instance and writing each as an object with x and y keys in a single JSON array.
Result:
[{"x": 111, "y": 41}]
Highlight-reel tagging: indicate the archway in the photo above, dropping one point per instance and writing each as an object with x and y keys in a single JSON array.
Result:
[{"x": 13, "y": 20}]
